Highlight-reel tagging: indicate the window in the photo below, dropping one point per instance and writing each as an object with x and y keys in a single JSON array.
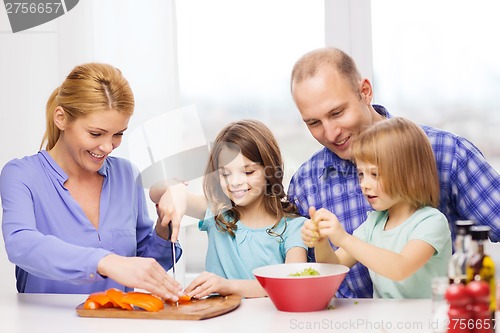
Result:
[
  {"x": 235, "y": 60},
  {"x": 436, "y": 62}
]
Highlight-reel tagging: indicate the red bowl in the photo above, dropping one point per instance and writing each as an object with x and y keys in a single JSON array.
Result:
[{"x": 300, "y": 293}]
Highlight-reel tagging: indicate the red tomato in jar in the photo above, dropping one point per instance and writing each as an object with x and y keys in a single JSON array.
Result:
[
  {"x": 458, "y": 295},
  {"x": 479, "y": 290}
]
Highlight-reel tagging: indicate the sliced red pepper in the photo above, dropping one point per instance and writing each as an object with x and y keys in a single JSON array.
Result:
[
  {"x": 101, "y": 298},
  {"x": 91, "y": 305},
  {"x": 184, "y": 299},
  {"x": 144, "y": 301},
  {"x": 116, "y": 297}
]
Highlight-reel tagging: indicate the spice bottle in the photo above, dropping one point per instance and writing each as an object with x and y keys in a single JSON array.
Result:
[
  {"x": 457, "y": 268},
  {"x": 481, "y": 266}
]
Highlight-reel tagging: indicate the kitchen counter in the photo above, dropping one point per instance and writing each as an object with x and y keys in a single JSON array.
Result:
[{"x": 37, "y": 313}]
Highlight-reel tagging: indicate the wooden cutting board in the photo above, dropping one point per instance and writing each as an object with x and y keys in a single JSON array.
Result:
[{"x": 195, "y": 310}]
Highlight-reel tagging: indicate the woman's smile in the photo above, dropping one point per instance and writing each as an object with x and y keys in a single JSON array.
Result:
[{"x": 97, "y": 156}]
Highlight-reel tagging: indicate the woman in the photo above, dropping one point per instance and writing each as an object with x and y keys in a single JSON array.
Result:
[{"x": 74, "y": 218}]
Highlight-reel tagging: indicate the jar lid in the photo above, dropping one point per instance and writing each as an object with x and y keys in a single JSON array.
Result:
[
  {"x": 463, "y": 226},
  {"x": 480, "y": 232}
]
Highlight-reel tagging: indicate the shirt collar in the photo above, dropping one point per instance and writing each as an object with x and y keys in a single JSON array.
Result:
[
  {"x": 381, "y": 110},
  {"x": 59, "y": 172}
]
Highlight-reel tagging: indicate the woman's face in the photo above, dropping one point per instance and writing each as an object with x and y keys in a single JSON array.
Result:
[
  {"x": 241, "y": 180},
  {"x": 89, "y": 140}
]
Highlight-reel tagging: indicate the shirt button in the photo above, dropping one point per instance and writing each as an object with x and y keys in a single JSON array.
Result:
[{"x": 92, "y": 275}]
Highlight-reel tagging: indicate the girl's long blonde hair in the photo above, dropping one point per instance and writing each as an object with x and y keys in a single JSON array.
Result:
[
  {"x": 89, "y": 88},
  {"x": 403, "y": 155}
]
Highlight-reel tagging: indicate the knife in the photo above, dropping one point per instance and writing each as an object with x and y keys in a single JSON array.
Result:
[
  {"x": 173, "y": 256},
  {"x": 173, "y": 251}
]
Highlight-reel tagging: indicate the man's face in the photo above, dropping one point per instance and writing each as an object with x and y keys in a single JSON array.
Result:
[{"x": 332, "y": 110}]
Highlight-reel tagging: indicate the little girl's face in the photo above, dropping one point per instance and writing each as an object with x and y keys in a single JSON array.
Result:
[
  {"x": 241, "y": 180},
  {"x": 371, "y": 185}
]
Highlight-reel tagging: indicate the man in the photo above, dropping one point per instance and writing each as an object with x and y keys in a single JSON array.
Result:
[{"x": 334, "y": 101}]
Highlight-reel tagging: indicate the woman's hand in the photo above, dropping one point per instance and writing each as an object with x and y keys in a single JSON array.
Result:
[
  {"x": 142, "y": 273},
  {"x": 207, "y": 283}
]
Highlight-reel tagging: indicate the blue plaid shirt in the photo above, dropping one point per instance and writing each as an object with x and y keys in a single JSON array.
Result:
[{"x": 470, "y": 190}]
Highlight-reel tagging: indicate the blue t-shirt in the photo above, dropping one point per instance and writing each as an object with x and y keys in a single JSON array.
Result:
[
  {"x": 236, "y": 257},
  {"x": 51, "y": 241},
  {"x": 427, "y": 224}
]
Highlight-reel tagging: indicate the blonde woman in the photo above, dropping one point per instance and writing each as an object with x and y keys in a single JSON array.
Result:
[{"x": 74, "y": 217}]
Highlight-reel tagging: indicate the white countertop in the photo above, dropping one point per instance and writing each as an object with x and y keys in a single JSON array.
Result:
[{"x": 38, "y": 313}]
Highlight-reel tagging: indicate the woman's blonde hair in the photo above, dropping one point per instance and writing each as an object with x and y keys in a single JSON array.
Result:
[
  {"x": 256, "y": 142},
  {"x": 403, "y": 155},
  {"x": 89, "y": 88}
]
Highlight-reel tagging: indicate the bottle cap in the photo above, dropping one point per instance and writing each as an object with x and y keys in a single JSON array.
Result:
[
  {"x": 480, "y": 232},
  {"x": 463, "y": 226}
]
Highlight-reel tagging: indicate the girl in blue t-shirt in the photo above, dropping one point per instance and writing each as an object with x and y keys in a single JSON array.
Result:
[
  {"x": 405, "y": 241},
  {"x": 244, "y": 211}
]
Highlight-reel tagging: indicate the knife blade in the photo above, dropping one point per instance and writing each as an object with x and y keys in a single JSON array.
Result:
[
  {"x": 173, "y": 257},
  {"x": 173, "y": 261},
  {"x": 173, "y": 251}
]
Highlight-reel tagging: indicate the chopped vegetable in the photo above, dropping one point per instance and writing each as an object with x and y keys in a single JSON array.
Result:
[
  {"x": 306, "y": 272},
  {"x": 144, "y": 301},
  {"x": 91, "y": 305},
  {"x": 115, "y": 298},
  {"x": 102, "y": 299},
  {"x": 184, "y": 299}
]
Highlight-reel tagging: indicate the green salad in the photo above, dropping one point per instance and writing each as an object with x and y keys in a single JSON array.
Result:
[{"x": 306, "y": 272}]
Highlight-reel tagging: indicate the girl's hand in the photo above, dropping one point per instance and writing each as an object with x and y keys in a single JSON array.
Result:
[
  {"x": 207, "y": 283},
  {"x": 142, "y": 273},
  {"x": 170, "y": 208},
  {"x": 310, "y": 233},
  {"x": 328, "y": 225}
]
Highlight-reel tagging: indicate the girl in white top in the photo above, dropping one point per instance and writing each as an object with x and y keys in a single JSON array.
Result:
[{"x": 406, "y": 241}]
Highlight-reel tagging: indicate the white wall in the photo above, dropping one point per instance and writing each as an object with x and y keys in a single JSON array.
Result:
[{"x": 28, "y": 73}]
